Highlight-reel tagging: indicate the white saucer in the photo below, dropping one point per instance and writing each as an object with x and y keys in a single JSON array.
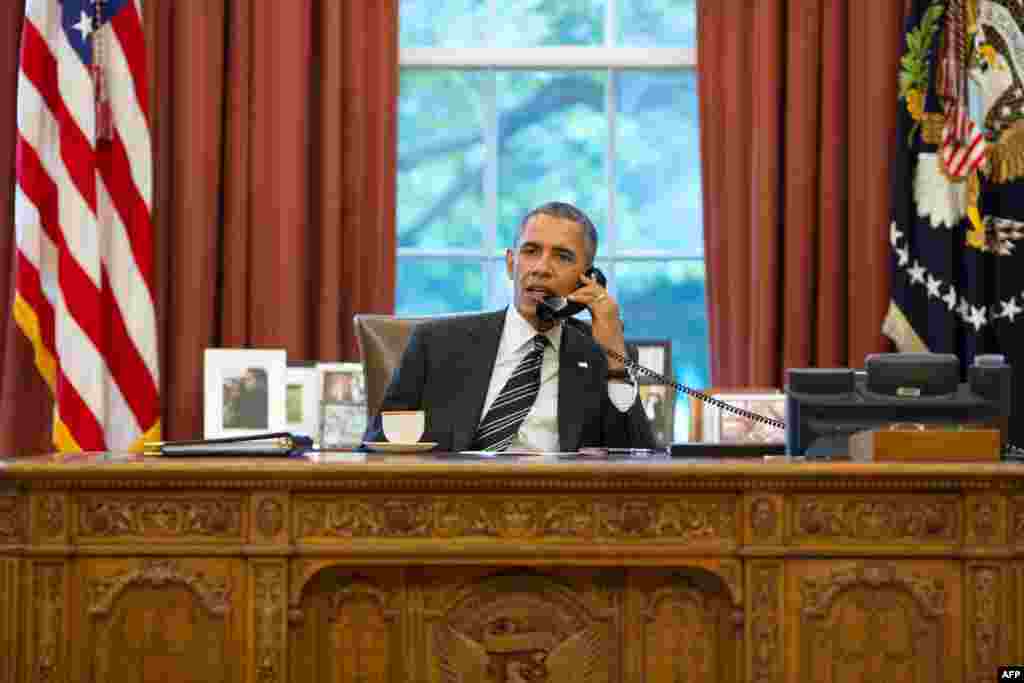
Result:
[{"x": 398, "y": 447}]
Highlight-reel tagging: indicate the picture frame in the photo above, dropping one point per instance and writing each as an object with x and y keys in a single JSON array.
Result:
[
  {"x": 302, "y": 399},
  {"x": 658, "y": 401},
  {"x": 341, "y": 424},
  {"x": 243, "y": 392},
  {"x": 342, "y": 382},
  {"x": 654, "y": 354},
  {"x": 342, "y": 397},
  {"x": 722, "y": 426}
]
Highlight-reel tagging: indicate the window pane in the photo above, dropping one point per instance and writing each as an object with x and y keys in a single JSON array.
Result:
[
  {"x": 657, "y": 23},
  {"x": 531, "y": 23},
  {"x": 666, "y": 300},
  {"x": 657, "y": 169},
  {"x": 441, "y": 158},
  {"x": 553, "y": 134},
  {"x": 499, "y": 287},
  {"x": 442, "y": 23},
  {"x": 429, "y": 286}
]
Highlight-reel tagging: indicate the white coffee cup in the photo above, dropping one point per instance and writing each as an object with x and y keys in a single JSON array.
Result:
[{"x": 403, "y": 426}]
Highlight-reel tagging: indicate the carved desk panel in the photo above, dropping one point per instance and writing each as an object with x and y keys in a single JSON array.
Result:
[{"x": 404, "y": 568}]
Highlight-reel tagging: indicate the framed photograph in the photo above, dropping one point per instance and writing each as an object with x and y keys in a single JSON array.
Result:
[
  {"x": 243, "y": 392},
  {"x": 342, "y": 396},
  {"x": 722, "y": 426},
  {"x": 342, "y": 383},
  {"x": 342, "y": 424},
  {"x": 302, "y": 399},
  {"x": 654, "y": 354},
  {"x": 658, "y": 401}
]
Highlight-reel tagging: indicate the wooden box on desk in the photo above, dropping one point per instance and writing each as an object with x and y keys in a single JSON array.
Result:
[{"x": 917, "y": 444}]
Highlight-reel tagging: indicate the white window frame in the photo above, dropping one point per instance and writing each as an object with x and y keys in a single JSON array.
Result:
[{"x": 613, "y": 59}]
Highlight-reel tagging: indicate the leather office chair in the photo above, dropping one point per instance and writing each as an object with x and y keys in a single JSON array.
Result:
[{"x": 382, "y": 340}]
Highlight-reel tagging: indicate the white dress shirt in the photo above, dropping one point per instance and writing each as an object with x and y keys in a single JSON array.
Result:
[{"x": 539, "y": 430}]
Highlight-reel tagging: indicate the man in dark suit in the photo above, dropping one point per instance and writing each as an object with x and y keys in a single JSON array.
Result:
[{"x": 462, "y": 370}]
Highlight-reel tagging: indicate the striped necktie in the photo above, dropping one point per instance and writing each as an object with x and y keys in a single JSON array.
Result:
[{"x": 510, "y": 408}]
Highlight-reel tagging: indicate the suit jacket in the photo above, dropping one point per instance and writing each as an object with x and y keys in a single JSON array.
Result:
[{"x": 446, "y": 370}]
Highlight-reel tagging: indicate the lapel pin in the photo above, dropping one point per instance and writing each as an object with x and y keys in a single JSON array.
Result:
[{"x": 583, "y": 364}]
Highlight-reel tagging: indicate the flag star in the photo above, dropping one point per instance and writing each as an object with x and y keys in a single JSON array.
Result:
[
  {"x": 904, "y": 256},
  {"x": 895, "y": 235},
  {"x": 933, "y": 287},
  {"x": 916, "y": 273},
  {"x": 1010, "y": 308},
  {"x": 962, "y": 309},
  {"x": 977, "y": 317},
  {"x": 84, "y": 26},
  {"x": 950, "y": 298}
]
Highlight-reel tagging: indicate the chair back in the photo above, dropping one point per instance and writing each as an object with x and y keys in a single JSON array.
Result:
[{"x": 382, "y": 341}]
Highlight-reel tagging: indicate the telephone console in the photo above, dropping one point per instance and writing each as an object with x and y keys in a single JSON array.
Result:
[{"x": 825, "y": 406}]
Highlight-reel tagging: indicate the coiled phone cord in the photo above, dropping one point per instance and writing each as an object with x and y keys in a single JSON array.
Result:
[{"x": 636, "y": 367}]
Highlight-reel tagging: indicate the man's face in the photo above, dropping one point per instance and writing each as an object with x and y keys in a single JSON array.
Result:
[{"x": 549, "y": 259}]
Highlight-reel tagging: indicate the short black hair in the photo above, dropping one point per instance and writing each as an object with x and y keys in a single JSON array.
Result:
[{"x": 568, "y": 212}]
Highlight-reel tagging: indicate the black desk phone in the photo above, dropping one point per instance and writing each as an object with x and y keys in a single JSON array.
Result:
[{"x": 824, "y": 406}]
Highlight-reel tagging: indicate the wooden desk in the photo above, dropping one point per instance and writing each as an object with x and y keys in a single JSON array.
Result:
[{"x": 407, "y": 569}]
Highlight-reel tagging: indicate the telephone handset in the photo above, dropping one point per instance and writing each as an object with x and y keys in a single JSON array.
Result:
[{"x": 557, "y": 307}]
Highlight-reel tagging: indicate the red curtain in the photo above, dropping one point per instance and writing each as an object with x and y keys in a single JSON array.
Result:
[
  {"x": 274, "y": 146},
  {"x": 798, "y": 119}
]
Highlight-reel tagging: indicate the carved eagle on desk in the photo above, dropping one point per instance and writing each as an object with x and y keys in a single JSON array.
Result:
[{"x": 515, "y": 656}]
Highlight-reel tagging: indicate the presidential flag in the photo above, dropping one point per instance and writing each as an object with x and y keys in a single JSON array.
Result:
[
  {"x": 84, "y": 283},
  {"x": 958, "y": 185}
]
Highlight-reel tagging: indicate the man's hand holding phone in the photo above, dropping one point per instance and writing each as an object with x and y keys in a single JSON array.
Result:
[{"x": 606, "y": 324}]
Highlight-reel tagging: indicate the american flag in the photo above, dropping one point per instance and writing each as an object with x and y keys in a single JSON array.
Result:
[{"x": 84, "y": 289}]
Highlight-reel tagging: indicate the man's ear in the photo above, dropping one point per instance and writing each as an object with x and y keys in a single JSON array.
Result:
[{"x": 510, "y": 264}]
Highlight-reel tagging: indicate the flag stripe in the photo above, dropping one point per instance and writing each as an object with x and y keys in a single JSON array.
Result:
[
  {"x": 76, "y": 415},
  {"x": 86, "y": 372},
  {"x": 130, "y": 122},
  {"x": 130, "y": 290},
  {"x": 40, "y": 330},
  {"x": 127, "y": 26},
  {"x": 127, "y": 366},
  {"x": 37, "y": 261},
  {"x": 32, "y": 292},
  {"x": 132, "y": 212}
]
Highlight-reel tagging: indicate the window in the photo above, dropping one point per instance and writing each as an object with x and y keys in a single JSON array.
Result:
[{"x": 507, "y": 105}]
